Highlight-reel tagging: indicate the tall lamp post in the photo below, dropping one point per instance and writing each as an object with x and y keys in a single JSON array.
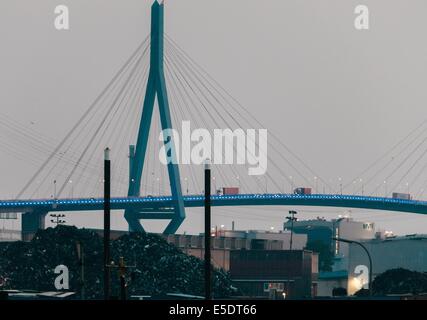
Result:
[
  {"x": 292, "y": 184},
  {"x": 367, "y": 253},
  {"x": 208, "y": 291},
  {"x": 107, "y": 226},
  {"x": 291, "y": 218},
  {"x": 186, "y": 185}
]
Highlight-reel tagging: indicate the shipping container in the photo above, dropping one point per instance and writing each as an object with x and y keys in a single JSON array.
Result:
[
  {"x": 403, "y": 196},
  {"x": 302, "y": 191},
  {"x": 230, "y": 190}
]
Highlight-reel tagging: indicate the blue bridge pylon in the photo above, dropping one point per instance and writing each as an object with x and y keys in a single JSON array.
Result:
[{"x": 156, "y": 85}]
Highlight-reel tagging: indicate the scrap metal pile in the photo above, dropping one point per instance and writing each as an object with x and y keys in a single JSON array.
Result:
[{"x": 156, "y": 268}]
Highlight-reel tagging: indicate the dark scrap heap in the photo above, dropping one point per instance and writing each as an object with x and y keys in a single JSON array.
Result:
[{"x": 158, "y": 268}]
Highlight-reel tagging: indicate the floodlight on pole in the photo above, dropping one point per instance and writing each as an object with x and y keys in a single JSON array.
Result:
[{"x": 369, "y": 258}]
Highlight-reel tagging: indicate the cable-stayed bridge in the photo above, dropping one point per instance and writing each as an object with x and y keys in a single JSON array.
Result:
[{"x": 171, "y": 87}]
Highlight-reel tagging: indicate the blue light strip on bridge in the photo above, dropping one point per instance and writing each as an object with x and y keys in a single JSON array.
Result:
[{"x": 82, "y": 201}]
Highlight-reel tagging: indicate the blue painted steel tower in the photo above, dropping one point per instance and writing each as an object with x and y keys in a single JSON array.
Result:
[{"x": 156, "y": 85}]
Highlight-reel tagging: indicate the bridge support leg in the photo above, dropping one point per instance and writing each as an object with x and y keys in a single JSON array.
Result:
[
  {"x": 133, "y": 222},
  {"x": 156, "y": 85},
  {"x": 31, "y": 223},
  {"x": 174, "y": 225}
]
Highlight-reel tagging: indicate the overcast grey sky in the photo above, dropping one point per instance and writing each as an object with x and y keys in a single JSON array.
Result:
[{"x": 339, "y": 97}]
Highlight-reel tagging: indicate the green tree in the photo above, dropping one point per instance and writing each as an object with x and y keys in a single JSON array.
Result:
[
  {"x": 398, "y": 281},
  {"x": 325, "y": 254}
]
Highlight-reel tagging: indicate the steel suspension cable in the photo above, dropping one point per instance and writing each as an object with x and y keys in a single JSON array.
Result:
[
  {"x": 189, "y": 58},
  {"x": 94, "y": 103}
]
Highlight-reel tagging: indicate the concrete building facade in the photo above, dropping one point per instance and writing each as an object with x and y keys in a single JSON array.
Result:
[
  {"x": 274, "y": 274},
  {"x": 225, "y": 241},
  {"x": 324, "y": 230},
  {"x": 408, "y": 252}
]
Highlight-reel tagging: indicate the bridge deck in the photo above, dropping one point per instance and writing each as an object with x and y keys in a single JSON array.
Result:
[{"x": 141, "y": 203}]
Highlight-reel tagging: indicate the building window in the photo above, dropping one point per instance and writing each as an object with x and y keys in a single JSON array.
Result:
[
  {"x": 278, "y": 286},
  {"x": 337, "y": 244}
]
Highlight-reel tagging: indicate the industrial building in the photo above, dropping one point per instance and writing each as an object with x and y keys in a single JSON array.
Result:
[
  {"x": 387, "y": 252},
  {"x": 327, "y": 282},
  {"x": 324, "y": 230},
  {"x": 10, "y": 235},
  {"x": 225, "y": 241},
  {"x": 8, "y": 223},
  {"x": 274, "y": 274}
]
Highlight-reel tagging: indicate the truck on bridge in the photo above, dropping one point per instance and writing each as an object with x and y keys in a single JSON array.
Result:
[
  {"x": 302, "y": 191},
  {"x": 402, "y": 196},
  {"x": 230, "y": 190}
]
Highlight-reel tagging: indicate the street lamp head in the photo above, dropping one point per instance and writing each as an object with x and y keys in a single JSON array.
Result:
[
  {"x": 342, "y": 240},
  {"x": 207, "y": 164},
  {"x": 107, "y": 154}
]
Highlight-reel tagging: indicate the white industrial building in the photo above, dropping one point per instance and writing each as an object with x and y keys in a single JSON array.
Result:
[
  {"x": 387, "y": 252},
  {"x": 342, "y": 227}
]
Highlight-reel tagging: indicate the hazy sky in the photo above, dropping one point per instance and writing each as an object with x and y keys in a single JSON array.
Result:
[{"x": 339, "y": 97}]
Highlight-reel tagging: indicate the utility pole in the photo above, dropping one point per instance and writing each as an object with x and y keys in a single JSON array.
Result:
[
  {"x": 291, "y": 218},
  {"x": 316, "y": 182},
  {"x": 186, "y": 184},
  {"x": 121, "y": 267},
  {"x": 292, "y": 184},
  {"x": 208, "y": 293},
  {"x": 107, "y": 226},
  {"x": 385, "y": 189}
]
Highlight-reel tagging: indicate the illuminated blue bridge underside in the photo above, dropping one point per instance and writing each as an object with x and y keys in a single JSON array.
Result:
[{"x": 162, "y": 203}]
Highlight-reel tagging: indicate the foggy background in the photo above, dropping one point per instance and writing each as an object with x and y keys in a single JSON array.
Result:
[{"x": 339, "y": 97}]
